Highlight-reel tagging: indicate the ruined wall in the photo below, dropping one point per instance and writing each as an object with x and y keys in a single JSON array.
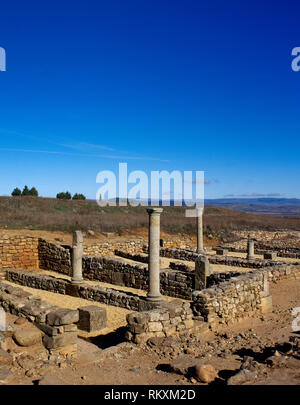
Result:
[
  {"x": 57, "y": 324},
  {"x": 109, "y": 270},
  {"x": 19, "y": 251},
  {"x": 106, "y": 296},
  {"x": 108, "y": 248},
  {"x": 187, "y": 255},
  {"x": 138, "y": 257},
  {"x": 171, "y": 318},
  {"x": 241, "y": 296},
  {"x": 54, "y": 257}
]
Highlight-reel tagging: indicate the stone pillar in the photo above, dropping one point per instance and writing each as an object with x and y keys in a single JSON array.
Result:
[
  {"x": 202, "y": 271},
  {"x": 200, "y": 230},
  {"x": 153, "y": 249},
  {"x": 250, "y": 248},
  {"x": 77, "y": 258}
]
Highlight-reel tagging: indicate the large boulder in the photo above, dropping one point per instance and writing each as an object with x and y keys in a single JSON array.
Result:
[{"x": 27, "y": 337}]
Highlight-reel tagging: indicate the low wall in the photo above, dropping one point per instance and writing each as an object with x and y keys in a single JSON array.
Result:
[
  {"x": 261, "y": 248},
  {"x": 19, "y": 251},
  {"x": 138, "y": 257},
  {"x": 168, "y": 318},
  {"x": 109, "y": 270},
  {"x": 57, "y": 324},
  {"x": 108, "y": 248},
  {"x": 171, "y": 318},
  {"x": 241, "y": 296},
  {"x": 54, "y": 257},
  {"x": 187, "y": 255},
  {"x": 106, "y": 296}
]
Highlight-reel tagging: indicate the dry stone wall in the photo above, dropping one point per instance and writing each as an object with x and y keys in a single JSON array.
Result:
[
  {"x": 169, "y": 319},
  {"x": 19, "y": 251},
  {"x": 54, "y": 257},
  {"x": 59, "y": 325},
  {"x": 106, "y": 296},
  {"x": 187, "y": 255},
  {"x": 241, "y": 296},
  {"x": 109, "y": 270}
]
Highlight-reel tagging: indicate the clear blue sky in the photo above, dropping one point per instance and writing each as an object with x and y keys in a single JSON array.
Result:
[{"x": 161, "y": 85}]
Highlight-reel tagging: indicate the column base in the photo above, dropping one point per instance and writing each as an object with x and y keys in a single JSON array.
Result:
[
  {"x": 76, "y": 281},
  {"x": 250, "y": 257},
  {"x": 154, "y": 298}
]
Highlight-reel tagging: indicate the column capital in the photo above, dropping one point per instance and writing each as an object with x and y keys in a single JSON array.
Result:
[{"x": 156, "y": 211}]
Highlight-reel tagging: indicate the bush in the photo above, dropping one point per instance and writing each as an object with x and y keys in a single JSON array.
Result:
[
  {"x": 33, "y": 191},
  {"x": 64, "y": 196},
  {"x": 16, "y": 192},
  {"x": 78, "y": 197},
  {"x": 26, "y": 191}
]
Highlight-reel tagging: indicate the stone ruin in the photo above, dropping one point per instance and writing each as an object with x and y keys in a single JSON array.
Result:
[{"x": 202, "y": 298}]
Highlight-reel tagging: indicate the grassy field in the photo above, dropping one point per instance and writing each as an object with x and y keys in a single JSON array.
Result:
[{"x": 67, "y": 215}]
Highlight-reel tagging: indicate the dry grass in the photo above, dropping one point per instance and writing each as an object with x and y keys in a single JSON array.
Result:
[{"x": 65, "y": 215}]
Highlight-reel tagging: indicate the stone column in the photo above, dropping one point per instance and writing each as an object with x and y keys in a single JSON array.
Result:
[
  {"x": 202, "y": 271},
  {"x": 153, "y": 248},
  {"x": 77, "y": 258},
  {"x": 250, "y": 248},
  {"x": 200, "y": 230}
]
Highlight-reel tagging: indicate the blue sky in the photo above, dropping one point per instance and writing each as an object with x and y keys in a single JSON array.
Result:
[{"x": 161, "y": 85}]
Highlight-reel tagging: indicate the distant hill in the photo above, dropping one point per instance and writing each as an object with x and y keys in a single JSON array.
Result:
[
  {"x": 262, "y": 206},
  {"x": 69, "y": 215}
]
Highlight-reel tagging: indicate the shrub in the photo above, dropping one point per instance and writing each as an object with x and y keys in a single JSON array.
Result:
[
  {"x": 64, "y": 196},
  {"x": 78, "y": 197},
  {"x": 26, "y": 191},
  {"x": 33, "y": 191},
  {"x": 16, "y": 192}
]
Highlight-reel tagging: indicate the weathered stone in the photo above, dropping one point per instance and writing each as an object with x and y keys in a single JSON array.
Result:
[
  {"x": 62, "y": 317},
  {"x": 26, "y": 362},
  {"x": 20, "y": 321},
  {"x": 241, "y": 377},
  {"x": 92, "y": 318},
  {"x": 183, "y": 364},
  {"x": 155, "y": 326},
  {"x": 58, "y": 341},
  {"x": 27, "y": 337},
  {"x": 205, "y": 373},
  {"x": 5, "y": 358}
]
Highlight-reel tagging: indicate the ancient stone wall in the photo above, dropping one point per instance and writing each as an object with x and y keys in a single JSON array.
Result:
[
  {"x": 108, "y": 248},
  {"x": 19, "y": 251},
  {"x": 107, "y": 296},
  {"x": 187, "y": 255},
  {"x": 109, "y": 270},
  {"x": 54, "y": 257},
  {"x": 169, "y": 319},
  {"x": 138, "y": 257},
  {"x": 58, "y": 325},
  {"x": 239, "y": 297}
]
